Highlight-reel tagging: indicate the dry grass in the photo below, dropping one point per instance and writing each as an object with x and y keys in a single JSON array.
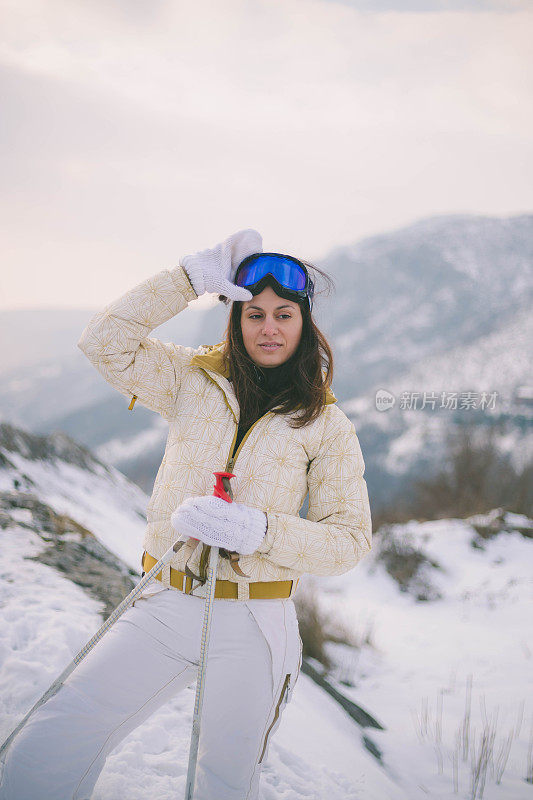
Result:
[
  {"x": 476, "y": 757},
  {"x": 317, "y": 627},
  {"x": 529, "y": 765},
  {"x": 475, "y": 477}
]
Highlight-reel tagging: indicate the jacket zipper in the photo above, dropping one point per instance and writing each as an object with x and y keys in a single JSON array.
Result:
[
  {"x": 232, "y": 459},
  {"x": 276, "y": 714}
]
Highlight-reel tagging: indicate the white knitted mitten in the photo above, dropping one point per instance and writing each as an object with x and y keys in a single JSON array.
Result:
[
  {"x": 213, "y": 270},
  {"x": 234, "y": 526}
]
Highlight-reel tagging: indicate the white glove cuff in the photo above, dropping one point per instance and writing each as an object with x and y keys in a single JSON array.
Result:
[{"x": 254, "y": 531}]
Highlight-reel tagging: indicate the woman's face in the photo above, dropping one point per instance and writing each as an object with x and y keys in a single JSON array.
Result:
[{"x": 271, "y": 328}]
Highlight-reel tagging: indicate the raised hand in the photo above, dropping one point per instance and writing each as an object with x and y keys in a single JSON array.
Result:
[{"x": 213, "y": 270}]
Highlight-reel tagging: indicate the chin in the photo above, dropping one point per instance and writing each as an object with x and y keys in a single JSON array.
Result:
[{"x": 270, "y": 360}]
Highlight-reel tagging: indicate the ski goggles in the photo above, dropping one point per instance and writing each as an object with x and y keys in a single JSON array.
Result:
[{"x": 290, "y": 276}]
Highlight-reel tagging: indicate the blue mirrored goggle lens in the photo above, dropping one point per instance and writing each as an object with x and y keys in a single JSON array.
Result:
[{"x": 286, "y": 272}]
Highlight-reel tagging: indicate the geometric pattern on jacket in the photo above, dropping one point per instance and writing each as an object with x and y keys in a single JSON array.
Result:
[{"x": 276, "y": 466}]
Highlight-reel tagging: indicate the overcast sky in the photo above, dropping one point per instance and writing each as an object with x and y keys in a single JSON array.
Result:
[{"x": 136, "y": 131}]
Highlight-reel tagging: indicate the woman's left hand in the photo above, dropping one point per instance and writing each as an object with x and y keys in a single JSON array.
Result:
[{"x": 234, "y": 526}]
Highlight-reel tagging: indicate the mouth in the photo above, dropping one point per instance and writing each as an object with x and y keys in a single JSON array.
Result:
[{"x": 269, "y": 346}]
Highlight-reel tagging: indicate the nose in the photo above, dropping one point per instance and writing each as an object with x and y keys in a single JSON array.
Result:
[{"x": 269, "y": 327}]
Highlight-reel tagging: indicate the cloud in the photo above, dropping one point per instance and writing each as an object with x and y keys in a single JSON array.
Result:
[
  {"x": 434, "y": 6},
  {"x": 138, "y": 131}
]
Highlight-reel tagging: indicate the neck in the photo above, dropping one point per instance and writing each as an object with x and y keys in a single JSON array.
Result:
[{"x": 273, "y": 380}]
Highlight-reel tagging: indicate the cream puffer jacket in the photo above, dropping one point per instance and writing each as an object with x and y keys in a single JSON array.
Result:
[{"x": 275, "y": 465}]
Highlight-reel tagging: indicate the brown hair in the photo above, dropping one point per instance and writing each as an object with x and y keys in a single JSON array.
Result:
[{"x": 311, "y": 373}]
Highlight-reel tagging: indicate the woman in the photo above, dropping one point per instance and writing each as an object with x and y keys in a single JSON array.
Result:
[{"x": 260, "y": 406}]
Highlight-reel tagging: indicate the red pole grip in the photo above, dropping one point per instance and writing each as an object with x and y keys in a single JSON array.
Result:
[{"x": 218, "y": 489}]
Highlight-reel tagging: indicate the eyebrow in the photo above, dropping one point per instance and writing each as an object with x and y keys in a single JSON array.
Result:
[{"x": 276, "y": 309}]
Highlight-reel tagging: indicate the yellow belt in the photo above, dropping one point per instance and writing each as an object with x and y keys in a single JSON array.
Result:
[{"x": 224, "y": 590}]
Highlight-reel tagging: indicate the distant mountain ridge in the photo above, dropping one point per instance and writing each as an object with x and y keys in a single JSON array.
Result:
[
  {"x": 442, "y": 302},
  {"x": 420, "y": 290}
]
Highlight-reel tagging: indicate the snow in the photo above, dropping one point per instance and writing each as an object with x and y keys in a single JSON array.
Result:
[
  {"x": 46, "y": 620},
  {"x": 427, "y": 653},
  {"x": 106, "y": 503}
]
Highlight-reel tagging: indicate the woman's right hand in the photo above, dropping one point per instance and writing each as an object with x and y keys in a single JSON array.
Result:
[{"x": 213, "y": 270}]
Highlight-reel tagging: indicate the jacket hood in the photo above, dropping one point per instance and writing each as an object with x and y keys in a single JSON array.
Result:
[{"x": 213, "y": 361}]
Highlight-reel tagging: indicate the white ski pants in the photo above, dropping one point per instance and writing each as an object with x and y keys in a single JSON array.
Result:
[{"x": 147, "y": 657}]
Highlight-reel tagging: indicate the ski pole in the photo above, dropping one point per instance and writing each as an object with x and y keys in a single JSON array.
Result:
[
  {"x": 223, "y": 490},
  {"x": 110, "y": 621}
]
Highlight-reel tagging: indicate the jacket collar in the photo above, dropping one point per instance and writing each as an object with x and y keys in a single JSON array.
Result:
[{"x": 213, "y": 361}]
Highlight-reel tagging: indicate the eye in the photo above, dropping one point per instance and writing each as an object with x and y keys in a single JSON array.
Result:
[{"x": 258, "y": 315}]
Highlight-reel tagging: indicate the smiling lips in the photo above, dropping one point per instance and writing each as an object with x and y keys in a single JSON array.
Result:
[{"x": 270, "y": 345}]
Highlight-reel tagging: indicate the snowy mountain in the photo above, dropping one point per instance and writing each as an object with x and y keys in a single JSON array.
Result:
[
  {"x": 422, "y": 290},
  {"x": 437, "y": 614},
  {"x": 408, "y": 438},
  {"x": 82, "y": 494},
  {"x": 44, "y": 376},
  {"x": 439, "y": 307}
]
